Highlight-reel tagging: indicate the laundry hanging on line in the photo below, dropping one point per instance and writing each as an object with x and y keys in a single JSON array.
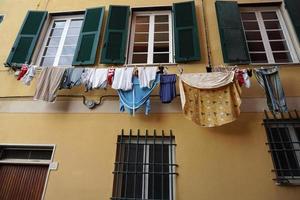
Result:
[
  {"x": 210, "y": 99},
  {"x": 269, "y": 80}
]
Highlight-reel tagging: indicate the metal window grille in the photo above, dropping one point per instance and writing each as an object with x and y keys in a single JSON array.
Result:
[
  {"x": 283, "y": 133},
  {"x": 145, "y": 167}
]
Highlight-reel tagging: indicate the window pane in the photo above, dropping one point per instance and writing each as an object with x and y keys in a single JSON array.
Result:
[
  {"x": 161, "y": 58},
  {"x": 141, "y": 37},
  {"x": 161, "y": 37},
  {"x": 15, "y": 154},
  {"x": 250, "y": 25},
  {"x": 248, "y": 16},
  {"x": 253, "y": 35},
  {"x": 47, "y": 61},
  {"x": 278, "y": 46},
  {"x": 41, "y": 154},
  {"x": 258, "y": 58},
  {"x": 256, "y": 46},
  {"x": 65, "y": 60},
  {"x": 142, "y": 19},
  {"x": 76, "y": 23},
  {"x": 158, "y": 181},
  {"x": 59, "y": 24},
  {"x": 53, "y": 41},
  {"x": 272, "y": 25},
  {"x": 282, "y": 57},
  {"x": 68, "y": 50},
  {"x": 142, "y": 28},
  {"x": 269, "y": 15},
  {"x": 73, "y": 31},
  {"x": 161, "y": 27},
  {"x": 162, "y": 18},
  {"x": 140, "y": 48},
  {"x": 56, "y": 32},
  {"x": 139, "y": 58},
  {"x": 71, "y": 40},
  {"x": 275, "y": 35},
  {"x": 50, "y": 51},
  {"x": 161, "y": 47}
]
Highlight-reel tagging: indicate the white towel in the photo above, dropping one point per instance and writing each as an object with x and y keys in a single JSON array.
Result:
[
  {"x": 147, "y": 76},
  {"x": 99, "y": 78},
  {"x": 123, "y": 79}
]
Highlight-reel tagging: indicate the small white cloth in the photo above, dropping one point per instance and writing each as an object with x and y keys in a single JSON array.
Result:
[
  {"x": 123, "y": 78},
  {"x": 147, "y": 76},
  {"x": 27, "y": 78},
  {"x": 99, "y": 78},
  {"x": 246, "y": 79}
]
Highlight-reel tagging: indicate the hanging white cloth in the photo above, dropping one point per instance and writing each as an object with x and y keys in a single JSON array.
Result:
[
  {"x": 123, "y": 79},
  {"x": 147, "y": 76},
  {"x": 99, "y": 78}
]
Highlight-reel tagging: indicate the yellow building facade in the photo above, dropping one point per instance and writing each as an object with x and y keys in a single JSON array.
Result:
[{"x": 229, "y": 162}]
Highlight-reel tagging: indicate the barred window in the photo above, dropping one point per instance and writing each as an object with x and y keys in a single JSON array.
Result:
[
  {"x": 145, "y": 167},
  {"x": 283, "y": 133}
]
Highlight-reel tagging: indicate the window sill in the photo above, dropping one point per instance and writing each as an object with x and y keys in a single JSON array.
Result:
[{"x": 273, "y": 64}]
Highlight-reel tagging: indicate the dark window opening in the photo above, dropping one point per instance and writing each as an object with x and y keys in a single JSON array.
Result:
[
  {"x": 283, "y": 133},
  {"x": 145, "y": 167}
]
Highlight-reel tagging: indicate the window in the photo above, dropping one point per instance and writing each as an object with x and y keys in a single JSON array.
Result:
[
  {"x": 24, "y": 168},
  {"x": 283, "y": 133},
  {"x": 144, "y": 167},
  {"x": 267, "y": 36},
  {"x": 151, "y": 38},
  {"x": 60, "y": 42}
]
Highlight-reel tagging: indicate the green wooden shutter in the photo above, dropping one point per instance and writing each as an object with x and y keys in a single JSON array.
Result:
[
  {"x": 293, "y": 7},
  {"x": 86, "y": 49},
  {"x": 234, "y": 46},
  {"x": 115, "y": 41},
  {"x": 187, "y": 46},
  {"x": 28, "y": 35}
]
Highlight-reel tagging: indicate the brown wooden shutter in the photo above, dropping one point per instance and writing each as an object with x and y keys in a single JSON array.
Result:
[{"x": 24, "y": 182}]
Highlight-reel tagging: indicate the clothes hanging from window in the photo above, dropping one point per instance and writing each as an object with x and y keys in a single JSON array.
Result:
[
  {"x": 110, "y": 76},
  {"x": 29, "y": 75},
  {"x": 48, "y": 83},
  {"x": 72, "y": 77},
  {"x": 146, "y": 76},
  {"x": 246, "y": 77},
  {"x": 131, "y": 100},
  {"x": 167, "y": 90},
  {"x": 100, "y": 78},
  {"x": 123, "y": 78},
  {"x": 269, "y": 80},
  {"x": 86, "y": 78},
  {"x": 22, "y": 72},
  {"x": 210, "y": 99}
]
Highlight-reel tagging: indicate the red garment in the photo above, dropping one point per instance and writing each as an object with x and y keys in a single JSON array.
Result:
[
  {"x": 110, "y": 75},
  {"x": 240, "y": 77},
  {"x": 23, "y": 71}
]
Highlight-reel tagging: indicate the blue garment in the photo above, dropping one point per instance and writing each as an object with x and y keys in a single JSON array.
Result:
[
  {"x": 269, "y": 80},
  {"x": 167, "y": 90},
  {"x": 133, "y": 99}
]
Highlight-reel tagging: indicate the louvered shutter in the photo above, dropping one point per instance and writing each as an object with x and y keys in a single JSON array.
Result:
[
  {"x": 25, "y": 43},
  {"x": 187, "y": 46},
  {"x": 233, "y": 41},
  {"x": 293, "y": 7},
  {"x": 116, "y": 32},
  {"x": 86, "y": 49}
]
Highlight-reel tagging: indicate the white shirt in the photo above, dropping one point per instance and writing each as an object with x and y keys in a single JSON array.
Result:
[
  {"x": 146, "y": 76},
  {"x": 123, "y": 79}
]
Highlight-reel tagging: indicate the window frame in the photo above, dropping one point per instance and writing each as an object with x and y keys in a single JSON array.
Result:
[
  {"x": 281, "y": 149},
  {"x": 51, "y": 165},
  {"x": 284, "y": 27},
  {"x": 146, "y": 141},
  {"x": 45, "y": 37},
  {"x": 150, "y": 54}
]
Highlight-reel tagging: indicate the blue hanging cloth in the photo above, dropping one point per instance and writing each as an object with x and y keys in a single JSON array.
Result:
[
  {"x": 133, "y": 99},
  {"x": 269, "y": 80}
]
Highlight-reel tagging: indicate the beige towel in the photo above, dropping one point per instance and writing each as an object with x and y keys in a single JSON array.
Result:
[{"x": 48, "y": 83}]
